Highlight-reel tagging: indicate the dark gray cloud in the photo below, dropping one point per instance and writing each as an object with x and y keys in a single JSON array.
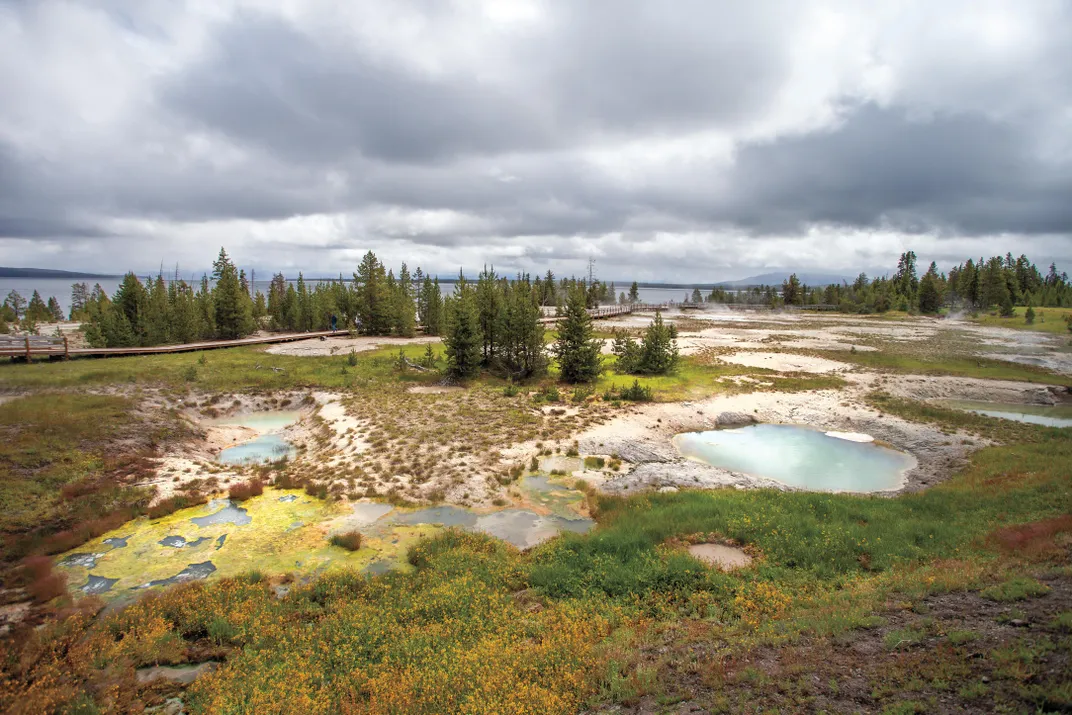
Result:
[
  {"x": 961, "y": 173},
  {"x": 668, "y": 140}
]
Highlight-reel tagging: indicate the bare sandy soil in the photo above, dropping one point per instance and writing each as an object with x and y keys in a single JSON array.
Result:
[
  {"x": 727, "y": 558},
  {"x": 786, "y": 362},
  {"x": 343, "y": 344},
  {"x": 337, "y": 435}
]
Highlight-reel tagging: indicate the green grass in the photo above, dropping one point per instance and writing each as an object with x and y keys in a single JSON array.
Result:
[
  {"x": 251, "y": 369},
  {"x": 478, "y": 619},
  {"x": 230, "y": 369},
  {"x": 961, "y": 366},
  {"x": 701, "y": 376},
  {"x": 58, "y": 467},
  {"x": 1047, "y": 320},
  {"x": 1019, "y": 588}
]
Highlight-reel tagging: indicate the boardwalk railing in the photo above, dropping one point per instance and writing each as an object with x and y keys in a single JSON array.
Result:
[
  {"x": 28, "y": 346},
  {"x": 609, "y": 311},
  {"x": 34, "y": 346}
]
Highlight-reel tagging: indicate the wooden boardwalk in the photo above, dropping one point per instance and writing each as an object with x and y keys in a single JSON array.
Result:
[
  {"x": 30, "y": 347},
  {"x": 56, "y": 348}
]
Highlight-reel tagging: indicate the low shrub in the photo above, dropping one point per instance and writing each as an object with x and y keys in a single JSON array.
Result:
[
  {"x": 42, "y": 583},
  {"x": 173, "y": 504},
  {"x": 350, "y": 540},
  {"x": 245, "y": 490},
  {"x": 594, "y": 462}
]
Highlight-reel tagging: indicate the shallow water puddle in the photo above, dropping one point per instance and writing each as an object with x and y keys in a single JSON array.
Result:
[
  {"x": 799, "y": 457},
  {"x": 521, "y": 527},
  {"x": 558, "y": 463},
  {"x": 268, "y": 446},
  {"x": 229, "y": 514},
  {"x": 1046, "y": 415}
]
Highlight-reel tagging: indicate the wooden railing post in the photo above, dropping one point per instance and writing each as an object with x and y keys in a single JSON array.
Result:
[
  {"x": 27, "y": 348},
  {"x": 66, "y": 349}
]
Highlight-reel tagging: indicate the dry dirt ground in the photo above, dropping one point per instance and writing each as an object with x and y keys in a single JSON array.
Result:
[
  {"x": 950, "y": 653},
  {"x": 420, "y": 444}
]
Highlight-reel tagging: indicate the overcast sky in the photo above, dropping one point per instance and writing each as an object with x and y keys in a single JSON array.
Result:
[{"x": 685, "y": 140}]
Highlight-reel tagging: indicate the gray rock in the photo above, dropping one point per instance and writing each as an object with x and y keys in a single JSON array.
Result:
[
  {"x": 735, "y": 419},
  {"x": 184, "y": 674}
]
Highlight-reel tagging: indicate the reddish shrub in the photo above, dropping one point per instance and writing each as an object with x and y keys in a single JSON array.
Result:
[
  {"x": 1036, "y": 539},
  {"x": 41, "y": 582},
  {"x": 245, "y": 490},
  {"x": 76, "y": 536},
  {"x": 285, "y": 481},
  {"x": 350, "y": 540},
  {"x": 174, "y": 503}
]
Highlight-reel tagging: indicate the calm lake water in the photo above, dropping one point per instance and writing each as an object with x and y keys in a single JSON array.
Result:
[
  {"x": 1058, "y": 416},
  {"x": 61, "y": 289},
  {"x": 799, "y": 457}
]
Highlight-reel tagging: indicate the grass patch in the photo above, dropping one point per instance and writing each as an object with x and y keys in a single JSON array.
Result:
[
  {"x": 958, "y": 365},
  {"x": 1047, "y": 320},
  {"x": 1019, "y": 588},
  {"x": 62, "y": 478},
  {"x": 903, "y": 638}
]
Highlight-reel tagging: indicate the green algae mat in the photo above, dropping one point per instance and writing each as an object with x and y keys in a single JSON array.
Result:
[{"x": 281, "y": 531}]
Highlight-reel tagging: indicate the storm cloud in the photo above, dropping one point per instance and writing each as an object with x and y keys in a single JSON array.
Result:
[{"x": 687, "y": 141}]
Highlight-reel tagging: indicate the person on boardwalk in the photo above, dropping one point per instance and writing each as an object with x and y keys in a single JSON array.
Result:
[{"x": 334, "y": 322}]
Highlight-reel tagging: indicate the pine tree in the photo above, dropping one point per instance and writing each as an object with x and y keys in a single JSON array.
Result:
[
  {"x": 659, "y": 353},
  {"x": 550, "y": 296},
  {"x": 405, "y": 323},
  {"x": 292, "y": 320},
  {"x": 233, "y": 308},
  {"x": 131, "y": 301},
  {"x": 993, "y": 290},
  {"x": 260, "y": 307},
  {"x": 373, "y": 300},
  {"x": 521, "y": 347},
  {"x": 489, "y": 305},
  {"x": 277, "y": 303},
  {"x": 37, "y": 310},
  {"x": 930, "y": 297},
  {"x": 792, "y": 294},
  {"x": 905, "y": 279},
  {"x": 79, "y": 298},
  {"x": 188, "y": 323},
  {"x": 463, "y": 341},
  {"x": 626, "y": 351},
  {"x": 16, "y": 303},
  {"x": 157, "y": 320},
  {"x": 305, "y": 306},
  {"x": 634, "y": 293},
  {"x": 577, "y": 349}
]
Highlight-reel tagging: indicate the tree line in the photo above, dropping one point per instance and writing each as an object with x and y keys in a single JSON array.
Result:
[
  {"x": 495, "y": 324},
  {"x": 28, "y": 313},
  {"x": 1000, "y": 282}
]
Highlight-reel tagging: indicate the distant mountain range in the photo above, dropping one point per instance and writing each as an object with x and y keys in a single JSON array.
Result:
[
  {"x": 766, "y": 279},
  {"x": 811, "y": 279},
  {"x": 769, "y": 279},
  {"x": 9, "y": 272}
]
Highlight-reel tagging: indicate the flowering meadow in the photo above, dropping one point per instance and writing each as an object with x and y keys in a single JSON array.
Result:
[{"x": 478, "y": 627}]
